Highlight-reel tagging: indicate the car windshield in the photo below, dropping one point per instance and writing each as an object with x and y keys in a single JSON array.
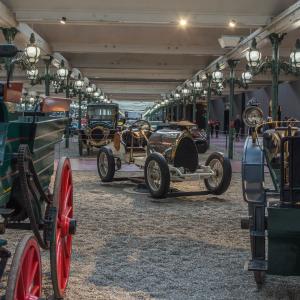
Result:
[{"x": 101, "y": 113}]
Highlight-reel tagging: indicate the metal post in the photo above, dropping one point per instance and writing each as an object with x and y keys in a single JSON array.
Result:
[
  {"x": 80, "y": 142},
  {"x": 194, "y": 111},
  {"x": 177, "y": 111},
  {"x": 209, "y": 79},
  {"x": 67, "y": 136},
  {"x": 79, "y": 111},
  {"x": 47, "y": 75},
  {"x": 275, "y": 41},
  {"x": 184, "y": 110},
  {"x": 232, "y": 64},
  {"x": 172, "y": 112}
]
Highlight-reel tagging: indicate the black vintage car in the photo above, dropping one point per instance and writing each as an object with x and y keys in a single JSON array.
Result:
[
  {"x": 102, "y": 122},
  {"x": 199, "y": 135}
]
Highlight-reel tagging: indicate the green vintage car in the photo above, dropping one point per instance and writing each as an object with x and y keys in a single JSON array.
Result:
[{"x": 27, "y": 143}]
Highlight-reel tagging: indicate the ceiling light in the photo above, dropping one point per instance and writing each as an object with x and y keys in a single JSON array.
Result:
[
  {"x": 182, "y": 22},
  {"x": 232, "y": 23},
  {"x": 63, "y": 20}
]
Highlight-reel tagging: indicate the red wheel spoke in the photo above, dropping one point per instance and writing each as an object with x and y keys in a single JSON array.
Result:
[
  {"x": 21, "y": 285},
  {"x": 32, "y": 273},
  {"x": 63, "y": 200},
  {"x": 25, "y": 277},
  {"x": 69, "y": 211},
  {"x": 28, "y": 267},
  {"x": 67, "y": 197}
]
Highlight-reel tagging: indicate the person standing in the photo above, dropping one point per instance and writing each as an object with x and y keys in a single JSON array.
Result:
[
  {"x": 211, "y": 124},
  {"x": 237, "y": 126},
  {"x": 217, "y": 128}
]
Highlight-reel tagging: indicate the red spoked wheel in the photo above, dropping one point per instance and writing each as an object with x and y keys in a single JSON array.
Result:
[
  {"x": 25, "y": 276},
  {"x": 63, "y": 228}
]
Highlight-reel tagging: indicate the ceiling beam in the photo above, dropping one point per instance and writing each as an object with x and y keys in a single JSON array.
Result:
[
  {"x": 137, "y": 49},
  {"x": 7, "y": 18},
  {"x": 137, "y": 17}
]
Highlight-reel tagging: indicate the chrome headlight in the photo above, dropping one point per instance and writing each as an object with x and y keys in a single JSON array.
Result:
[{"x": 253, "y": 116}]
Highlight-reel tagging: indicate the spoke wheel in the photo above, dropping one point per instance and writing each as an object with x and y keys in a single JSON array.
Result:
[
  {"x": 103, "y": 164},
  {"x": 157, "y": 175},
  {"x": 217, "y": 168},
  {"x": 154, "y": 175},
  {"x": 25, "y": 276},
  {"x": 219, "y": 182},
  {"x": 63, "y": 228},
  {"x": 106, "y": 164}
]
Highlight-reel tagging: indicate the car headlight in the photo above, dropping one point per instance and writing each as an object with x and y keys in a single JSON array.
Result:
[{"x": 253, "y": 116}]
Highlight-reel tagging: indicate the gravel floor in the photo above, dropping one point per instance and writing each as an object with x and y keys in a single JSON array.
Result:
[{"x": 128, "y": 247}]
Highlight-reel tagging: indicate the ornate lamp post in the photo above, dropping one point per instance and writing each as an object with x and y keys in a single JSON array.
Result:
[
  {"x": 257, "y": 66},
  {"x": 78, "y": 85},
  {"x": 185, "y": 93},
  {"x": 246, "y": 78},
  {"x": 32, "y": 51},
  {"x": 196, "y": 91},
  {"x": 32, "y": 73}
]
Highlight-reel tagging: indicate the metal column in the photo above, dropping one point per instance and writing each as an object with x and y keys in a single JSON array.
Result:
[
  {"x": 194, "y": 111},
  {"x": 275, "y": 41},
  {"x": 209, "y": 79},
  {"x": 232, "y": 64}
]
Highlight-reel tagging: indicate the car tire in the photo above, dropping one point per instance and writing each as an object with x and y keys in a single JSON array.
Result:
[
  {"x": 105, "y": 164},
  {"x": 202, "y": 147},
  {"x": 222, "y": 166},
  {"x": 160, "y": 186}
]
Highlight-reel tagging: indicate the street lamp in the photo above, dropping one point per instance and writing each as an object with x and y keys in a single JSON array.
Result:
[
  {"x": 295, "y": 55},
  {"x": 197, "y": 86},
  {"x": 185, "y": 91},
  {"x": 256, "y": 65},
  {"x": 79, "y": 83},
  {"x": 217, "y": 75},
  {"x": 62, "y": 72},
  {"x": 32, "y": 51},
  {"x": 32, "y": 73},
  {"x": 247, "y": 76},
  {"x": 97, "y": 93},
  {"x": 253, "y": 55},
  {"x": 89, "y": 90}
]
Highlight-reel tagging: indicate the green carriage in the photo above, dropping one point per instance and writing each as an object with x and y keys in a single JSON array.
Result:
[{"x": 27, "y": 144}]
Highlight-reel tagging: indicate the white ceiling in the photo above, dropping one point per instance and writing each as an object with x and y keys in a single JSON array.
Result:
[{"x": 133, "y": 49}]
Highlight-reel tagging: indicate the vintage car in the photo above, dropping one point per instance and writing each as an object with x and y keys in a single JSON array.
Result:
[
  {"x": 199, "y": 136},
  {"x": 273, "y": 205},
  {"x": 102, "y": 122},
  {"x": 169, "y": 155},
  {"x": 30, "y": 200}
]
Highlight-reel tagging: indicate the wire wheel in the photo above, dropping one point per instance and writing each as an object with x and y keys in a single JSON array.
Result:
[
  {"x": 157, "y": 175},
  {"x": 219, "y": 182},
  {"x": 103, "y": 164},
  {"x": 154, "y": 175},
  {"x": 25, "y": 276},
  {"x": 215, "y": 180},
  {"x": 106, "y": 164},
  {"x": 63, "y": 228}
]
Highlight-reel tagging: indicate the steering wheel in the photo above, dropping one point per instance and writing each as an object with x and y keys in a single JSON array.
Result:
[{"x": 141, "y": 125}]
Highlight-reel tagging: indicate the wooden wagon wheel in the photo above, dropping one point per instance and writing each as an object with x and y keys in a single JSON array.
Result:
[
  {"x": 63, "y": 228},
  {"x": 25, "y": 276}
]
